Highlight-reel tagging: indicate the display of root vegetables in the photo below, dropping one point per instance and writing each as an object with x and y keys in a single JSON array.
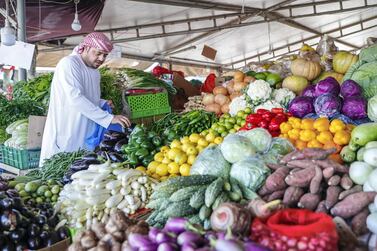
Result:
[
  {"x": 310, "y": 179},
  {"x": 194, "y": 103},
  {"x": 111, "y": 235}
]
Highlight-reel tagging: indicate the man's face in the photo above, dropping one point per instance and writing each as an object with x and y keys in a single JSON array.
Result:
[{"x": 93, "y": 57}]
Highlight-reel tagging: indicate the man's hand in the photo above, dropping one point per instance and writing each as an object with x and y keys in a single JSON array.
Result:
[
  {"x": 111, "y": 104},
  {"x": 122, "y": 120}
]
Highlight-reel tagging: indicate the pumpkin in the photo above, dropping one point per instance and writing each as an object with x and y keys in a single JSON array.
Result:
[
  {"x": 248, "y": 79},
  {"x": 305, "y": 68},
  {"x": 343, "y": 60},
  {"x": 220, "y": 90},
  {"x": 238, "y": 76},
  {"x": 337, "y": 76},
  {"x": 295, "y": 83}
]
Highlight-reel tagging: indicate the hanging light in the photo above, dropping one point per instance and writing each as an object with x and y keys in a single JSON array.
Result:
[
  {"x": 76, "y": 26},
  {"x": 8, "y": 34}
]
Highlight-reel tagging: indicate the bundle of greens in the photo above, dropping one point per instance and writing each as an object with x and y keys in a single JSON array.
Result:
[{"x": 110, "y": 89}]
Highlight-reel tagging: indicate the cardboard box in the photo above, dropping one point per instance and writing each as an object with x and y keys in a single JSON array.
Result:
[
  {"x": 35, "y": 131},
  {"x": 59, "y": 246},
  {"x": 209, "y": 52}
]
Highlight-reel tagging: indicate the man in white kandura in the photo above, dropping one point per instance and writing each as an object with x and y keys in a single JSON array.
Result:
[{"x": 75, "y": 103}]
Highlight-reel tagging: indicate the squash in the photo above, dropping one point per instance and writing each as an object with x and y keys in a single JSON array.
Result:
[
  {"x": 238, "y": 86},
  {"x": 295, "y": 83},
  {"x": 248, "y": 79},
  {"x": 220, "y": 90},
  {"x": 337, "y": 76},
  {"x": 343, "y": 60},
  {"x": 238, "y": 76},
  {"x": 221, "y": 99},
  {"x": 305, "y": 68}
]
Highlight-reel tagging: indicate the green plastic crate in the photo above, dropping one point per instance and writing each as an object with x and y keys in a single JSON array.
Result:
[
  {"x": 21, "y": 159},
  {"x": 145, "y": 105}
]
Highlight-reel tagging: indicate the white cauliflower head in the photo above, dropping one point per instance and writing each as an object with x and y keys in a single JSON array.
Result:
[
  {"x": 268, "y": 105},
  {"x": 259, "y": 91},
  {"x": 237, "y": 104},
  {"x": 284, "y": 96}
]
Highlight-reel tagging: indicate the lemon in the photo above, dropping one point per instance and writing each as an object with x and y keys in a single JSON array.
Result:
[
  {"x": 162, "y": 170},
  {"x": 185, "y": 140},
  {"x": 164, "y": 149},
  {"x": 204, "y": 133},
  {"x": 173, "y": 168},
  {"x": 149, "y": 173},
  {"x": 202, "y": 142},
  {"x": 141, "y": 169},
  {"x": 158, "y": 157},
  {"x": 185, "y": 146},
  {"x": 173, "y": 152},
  {"x": 175, "y": 144},
  {"x": 156, "y": 176},
  {"x": 152, "y": 166},
  {"x": 191, "y": 159},
  {"x": 192, "y": 151},
  {"x": 166, "y": 161},
  {"x": 173, "y": 175},
  {"x": 194, "y": 137},
  {"x": 218, "y": 140},
  {"x": 212, "y": 144},
  {"x": 185, "y": 169},
  {"x": 200, "y": 148},
  {"x": 180, "y": 158},
  {"x": 210, "y": 137}
]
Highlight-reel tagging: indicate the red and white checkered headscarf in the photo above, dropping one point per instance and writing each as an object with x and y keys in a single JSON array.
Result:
[{"x": 96, "y": 40}]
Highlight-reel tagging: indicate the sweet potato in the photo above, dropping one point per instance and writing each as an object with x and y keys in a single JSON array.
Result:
[
  {"x": 331, "y": 163},
  {"x": 346, "y": 182},
  {"x": 303, "y": 163},
  {"x": 261, "y": 209},
  {"x": 355, "y": 189},
  {"x": 309, "y": 201},
  {"x": 347, "y": 239},
  {"x": 353, "y": 204},
  {"x": 332, "y": 194},
  {"x": 359, "y": 222},
  {"x": 334, "y": 180},
  {"x": 292, "y": 196},
  {"x": 295, "y": 170},
  {"x": 276, "y": 180},
  {"x": 263, "y": 190},
  {"x": 315, "y": 183},
  {"x": 274, "y": 167},
  {"x": 328, "y": 172},
  {"x": 317, "y": 153},
  {"x": 301, "y": 178},
  {"x": 276, "y": 195},
  {"x": 295, "y": 155},
  {"x": 321, "y": 208}
]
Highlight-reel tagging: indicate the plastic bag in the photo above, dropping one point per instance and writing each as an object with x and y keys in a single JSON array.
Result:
[
  {"x": 260, "y": 138},
  {"x": 211, "y": 162},
  {"x": 280, "y": 146},
  {"x": 236, "y": 147},
  {"x": 326, "y": 49},
  {"x": 296, "y": 229}
]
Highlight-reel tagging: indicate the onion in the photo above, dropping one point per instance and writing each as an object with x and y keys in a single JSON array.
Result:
[
  {"x": 239, "y": 86},
  {"x": 216, "y": 108},
  {"x": 248, "y": 79},
  {"x": 225, "y": 108},
  {"x": 208, "y": 99},
  {"x": 220, "y": 90},
  {"x": 235, "y": 95},
  {"x": 230, "y": 86},
  {"x": 221, "y": 99}
]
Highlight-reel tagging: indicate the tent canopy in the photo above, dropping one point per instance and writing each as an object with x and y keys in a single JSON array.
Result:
[{"x": 241, "y": 31}]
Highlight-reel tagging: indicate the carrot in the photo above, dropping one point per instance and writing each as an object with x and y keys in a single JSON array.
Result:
[
  {"x": 309, "y": 201},
  {"x": 321, "y": 208},
  {"x": 276, "y": 195},
  {"x": 295, "y": 155},
  {"x": 292, "y": 196},
  {"x": 332, "y": 194},
  {"x": 328, "y": 172},
  {"x": 355, "y": 189},
  {"x": 353, "y": 204},
  {"x": 359, "y": 222},
  {"x": 276, "y": 180},
  {"x": 346, "y": 182},
  {"x": 334, "y": 180},
  {"x": 301, "y": 178},
  {"x": 316, "y": 181}
]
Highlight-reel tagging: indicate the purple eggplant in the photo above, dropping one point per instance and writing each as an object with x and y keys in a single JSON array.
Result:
[
  {"x": 204, "y": 249},
  {"x": 221, "y": 235},
  {"x": 187, "y": 237},
  {"x": 139, "y": 240},
  {"x": 188, "y": 247},
  {"x": 228, "y": 245},
  {"x": 153, "y": 231},
  {"x": 210, "y": 235},
  {"x": 176, "y": 225},
  {"x": 149, "y": 247},
  {"x": 168, "y": 246},
  {"x": 251, "y": 246},
  {"x": 163, "y": 237}
]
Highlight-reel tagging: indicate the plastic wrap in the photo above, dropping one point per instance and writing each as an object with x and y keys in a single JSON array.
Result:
[{"x": 326, "y": 49}]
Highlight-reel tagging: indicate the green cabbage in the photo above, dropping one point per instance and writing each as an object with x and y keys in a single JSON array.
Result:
[
  {"x": 259, "y": 137},
  {"x": 236, "y": 148},
  {"x": 372, "y": 108},
  {"x": 211, "y": 162},
  {"x": 250, "y": 173},
  {"x": 281, "y": 146},
  {"x": 368, "y": 54}
]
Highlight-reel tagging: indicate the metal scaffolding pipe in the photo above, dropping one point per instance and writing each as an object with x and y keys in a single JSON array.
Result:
[{"x": 21, "y": 32}]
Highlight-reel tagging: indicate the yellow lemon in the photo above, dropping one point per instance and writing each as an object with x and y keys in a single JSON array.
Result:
[
  {"x": 185, "y": 140},
  {"x": 158, "y": 157},
  {"x": 218, "y": 140},
  {"x": 185, "y": 146},
  {"x": 141, "y": 169},
  {"x": 173, "y": 175},
  {"x": 212, "y": 144},
  {"x": 191, "y": 159},
  {"x": 164, "y": 149},
  {"x": 156, "y": 176},
  {"x": 175, "y": 144},
  {"x": 202, "y": 142},
  {"x": 194, "y": 137},
  {"x": 180, "y": 158},
  {"x": 192, "y": 150},
  {"x": 152, "y": 166},
  {"x": 173, "y": 168},
  {"x": 185, "y": 169},
  {"x": 204, "y": 133},
  {"x": 166, "y": 161},
  {"x": 173, "y": 152},
  {"x": 200, "y": 148},
  {"x": 210, "y": 137},
  {"x": 162, "y": 170}
]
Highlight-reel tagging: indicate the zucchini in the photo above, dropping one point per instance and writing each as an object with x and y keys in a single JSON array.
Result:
[
  {"x": 155, "y": 204},
  {"x": 204, "y": 212},
  {"x": 223, "y": 197},
  {"x": 213, "y": 191},
  {"x": 179, "y": 209},
  {"x": 184, "y": 181},
  {"x": 184, "y": 193},
  {"x": 195, "y": 219},
  {"x": 197, "y": 199}
]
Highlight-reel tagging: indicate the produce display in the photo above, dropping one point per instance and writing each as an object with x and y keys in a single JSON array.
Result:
[
  {"x": 194, "y": 103},
  {"x": 19, "y": 132}
]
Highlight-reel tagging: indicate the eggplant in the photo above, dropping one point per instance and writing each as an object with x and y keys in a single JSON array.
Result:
[
  {"x": 6, "y": 204},
  {"x": 17, "y": 203},
  {"x": 176, "y": 225},
  {"x": 90, "y": 156},
  {"x": 17, "y": 235},
  {"x": 63, "y": 233},
  {"x": 102, "y": 154},
  {"x": 139, "y": 240},
  {"x": 9, "y": 219},
  {"x": 115, "y": 157},
  {"x": 228, "y": 245},
  {"x": 20, "y": 247},
  {"x": 53, "y": 221},
  {"x": 9, "y": 246},
  {"x": 41, "y": 220},
  {"x": 163, "y": 237},
  {"x": 168, "y": 246},
  {"x": 12, "y": 193},
  {"x": 187, "y": 237},
  {"x": 113, "y": 135},
  {"x": 51, "y": 240},
  {"x": 118, "y": 146},
  {"x": 78, "y": 165},
  {"x": 34, "y": 230},
  {"x": 3, "y": 185},
  {"x": 152, "y": 234},
  {"x": 34, "y": 243},
  {"x": 3, "y": 195},
  {"x": 107, "y": 145}
]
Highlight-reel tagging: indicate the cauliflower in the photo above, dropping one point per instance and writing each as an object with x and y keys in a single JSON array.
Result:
[
  {"x": 284, "y": 96},
  {"x": 268, "y": 105},
  {"x": 259, "y": 91},
  {"x": 237, "y": 104}
]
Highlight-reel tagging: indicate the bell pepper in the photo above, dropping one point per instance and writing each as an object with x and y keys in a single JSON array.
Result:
[
  {"x": 274, "y": 133},
  {"x": 262, "y": 111},
  {"x": 274, "y": 125},
  {"x": 253, "y": 118},
  {"x": 267, "y": 116},
  {"x": 142, "y": 152},
  {"x": 277, "y": 110},
  {"x": 132, "y": 159},
  {"x": 156, "y": 140},
  {"x": 263, "y": 124}
]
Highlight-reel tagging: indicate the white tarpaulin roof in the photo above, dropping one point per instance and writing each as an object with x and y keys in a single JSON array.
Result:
[{"x": 240, "y": 30}]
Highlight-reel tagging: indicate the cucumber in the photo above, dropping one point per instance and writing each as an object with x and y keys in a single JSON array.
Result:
[
  {"x": 235, "y": 187},
  {"x": 184, "y": 193},
  {"x": 197, "y": 199},
  {"x": 249, "y": 194},
  {"x": 184, "y": 181},
  {"x": 223, "y": 197},
  {"x": 213, "y": 191},
  {"x": 204, "y": 212},
  {"x": 195, "y": 219},
  {"x": 155, "y": 204},
  {"x": 179, "y": 209}
]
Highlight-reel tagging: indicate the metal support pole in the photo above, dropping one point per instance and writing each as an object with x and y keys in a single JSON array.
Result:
[{"x": 21, "y": 32}]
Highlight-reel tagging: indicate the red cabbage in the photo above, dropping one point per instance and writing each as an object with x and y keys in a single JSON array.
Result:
[
  {"x": 300, "y": 106},
  {"x": 350, "y": 88},
  {"x": 328, "y": 85},
  {"x": 309, "y": 91},
  {"x": 327, "y": 105},
  {"x": 355, "y": 107}
]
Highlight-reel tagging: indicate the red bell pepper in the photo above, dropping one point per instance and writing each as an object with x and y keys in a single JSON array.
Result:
[
  {"x": 274, "y": 133},
  {"x": 274, "y": 125},
  {"x": 263, "y": 124},
  {"x": 253, "y": 118},
  {"x": 277, "y": 110},
  {"x": 267, "y": 116},
  {"x": 262, "y": 111}
]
